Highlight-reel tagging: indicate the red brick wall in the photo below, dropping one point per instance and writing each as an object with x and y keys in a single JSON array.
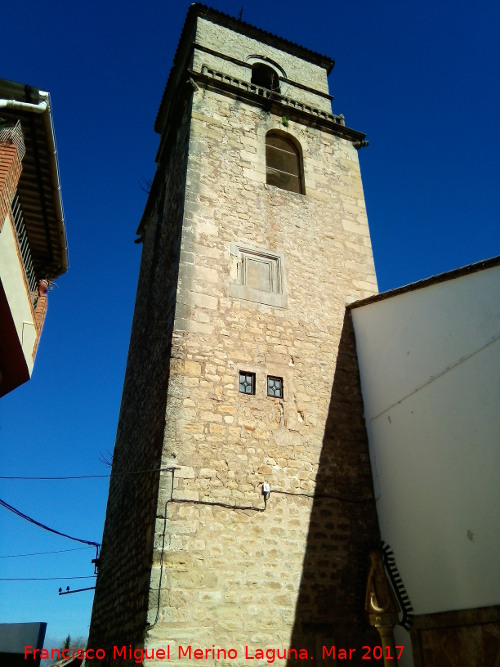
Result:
[{"x": 10, "y": 171}]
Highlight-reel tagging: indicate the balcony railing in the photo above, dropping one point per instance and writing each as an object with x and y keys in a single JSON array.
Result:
[
  {"x": 272, "y": 95},
  {"x": 13, "y": 134},
  {"x": 24, "y": 248}
]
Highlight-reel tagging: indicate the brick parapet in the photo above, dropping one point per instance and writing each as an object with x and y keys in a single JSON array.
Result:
[{"x": 40, "y": 313}]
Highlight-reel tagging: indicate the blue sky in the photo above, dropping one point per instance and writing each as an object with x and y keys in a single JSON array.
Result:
[{"x": 420, "y": 78}]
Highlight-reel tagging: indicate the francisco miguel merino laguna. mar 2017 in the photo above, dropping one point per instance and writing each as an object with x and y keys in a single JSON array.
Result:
[{"x": 270, "y": 655}]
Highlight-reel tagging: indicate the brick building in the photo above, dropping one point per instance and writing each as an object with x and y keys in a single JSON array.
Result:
[
  {"x": 33, "y": 249},
  {"x": 242, "y": 367}
]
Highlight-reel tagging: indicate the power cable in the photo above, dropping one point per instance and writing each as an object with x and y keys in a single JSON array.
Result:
[
  {"x": 92, "y": 576},
  {"x": 324, "y": 496},
  {"x": 42, "y": 525},
  {"x": 214, "y": 503},
  {"x": 52, "y": 479},
  {"x": 67, "y": 477},
  {"x": 43, "y": 553}
]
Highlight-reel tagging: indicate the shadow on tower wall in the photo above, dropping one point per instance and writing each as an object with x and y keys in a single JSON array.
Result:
[
  {"x": 343, "y": 527},
  {"x": 122, "y": 596}
]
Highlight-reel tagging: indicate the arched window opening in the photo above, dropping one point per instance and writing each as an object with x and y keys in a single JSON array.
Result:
[
  {"x": 283, "y": 163},
  {"x": 265, "y": 77}
]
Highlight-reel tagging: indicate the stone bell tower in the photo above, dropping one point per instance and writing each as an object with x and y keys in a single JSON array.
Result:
[{"x": 242, "y": 369}]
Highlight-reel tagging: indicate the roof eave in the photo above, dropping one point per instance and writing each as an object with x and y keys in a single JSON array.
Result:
[{"x": 38, "y": 130}]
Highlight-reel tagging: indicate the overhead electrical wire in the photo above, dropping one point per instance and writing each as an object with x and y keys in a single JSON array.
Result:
[
  {"x": 45, "y": 527},
  {"x": 67, "y": 477},
  {"x": 90, "y": 576},
  {"x": 51, "y": 479},
  {"x": 43, "y": 553},
  {"x": 24, "y": 516}
]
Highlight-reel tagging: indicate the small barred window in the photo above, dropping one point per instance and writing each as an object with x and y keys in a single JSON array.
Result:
[
  {"x": 274, "y": 386},
  {"x": 247, "y": 383}
]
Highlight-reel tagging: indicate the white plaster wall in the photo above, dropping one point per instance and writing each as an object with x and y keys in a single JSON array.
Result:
[
  {"x": 11, "y": 274},
  {"x": 430, "y": 372}
]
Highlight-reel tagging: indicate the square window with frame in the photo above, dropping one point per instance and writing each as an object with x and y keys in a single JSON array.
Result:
[
  {"x": 258, "y": 275},
  {"x": 274, "y": 386},
  {"x": 247, "y": 383}
]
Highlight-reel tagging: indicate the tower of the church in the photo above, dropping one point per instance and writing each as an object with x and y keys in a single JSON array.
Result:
[{"x": 242, "y": 368}]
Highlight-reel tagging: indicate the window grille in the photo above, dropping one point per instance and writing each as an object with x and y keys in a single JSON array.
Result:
[
  {"x": 247, "y": 383},
  {"x": 24, "y": 247},
  {"x": 274, "y": 386}
]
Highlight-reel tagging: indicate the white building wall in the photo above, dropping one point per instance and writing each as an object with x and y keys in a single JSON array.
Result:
[
  {"x": 14, "y": 284},
  {"x": 429, "y": 362}
]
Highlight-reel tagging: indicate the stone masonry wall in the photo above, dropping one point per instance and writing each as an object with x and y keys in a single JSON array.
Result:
[
  {"x": 243, "y": 48},
  {"x": 228, "y": 571},
  {"x": 192, "y": 556},
  {"x": 121, "y": 597}
]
